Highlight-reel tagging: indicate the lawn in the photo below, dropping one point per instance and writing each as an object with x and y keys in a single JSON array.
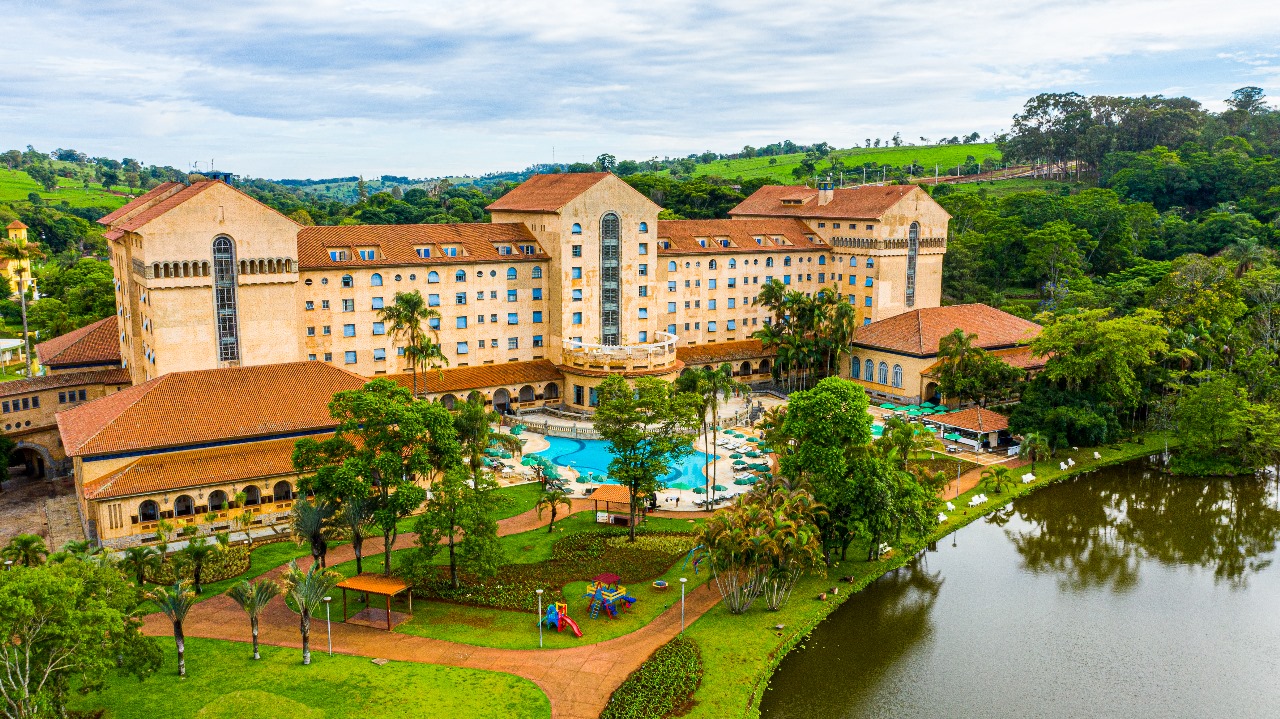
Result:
[
  {"x": 223, "y": 682},
  {"x": 1000, "y": 188},
  {"x": 516, "y": 499},
  {"x": 946, "y": 156},
  {"x": 15, "y": 185},
  {"x": 740, "y": 652}
]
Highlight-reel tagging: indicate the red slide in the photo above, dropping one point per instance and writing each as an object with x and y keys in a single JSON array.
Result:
[{"x": 576, "y": 631}]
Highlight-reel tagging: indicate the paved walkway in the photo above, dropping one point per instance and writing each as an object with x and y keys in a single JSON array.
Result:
[
  {"x": 578, "y": 681},
  {"x": 970, "y": 479}
]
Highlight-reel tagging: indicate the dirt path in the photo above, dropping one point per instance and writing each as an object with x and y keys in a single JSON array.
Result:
[{"x": 578, "y": 681}]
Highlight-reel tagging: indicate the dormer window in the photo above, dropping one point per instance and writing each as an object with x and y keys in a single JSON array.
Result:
[
  {"x": 702, "y": 243},
  {"x": 449, "y": 251},
  {"x": 792, "y": 202},
  {"x": 424, "y": 252},
  {"x": 339, "y": 255},
  {"x": 528, "y": 249},
  {"x": 760, "y": 241},
  {"x": 368, "y": 254},
  {"x": 504, "y": 249}
]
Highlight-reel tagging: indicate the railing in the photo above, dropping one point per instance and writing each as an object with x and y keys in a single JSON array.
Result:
[
  {"x": 562, "y": 430},
  {"x": 590, "y": 355}
]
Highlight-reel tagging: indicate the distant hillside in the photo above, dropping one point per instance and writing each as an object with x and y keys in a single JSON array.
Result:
[
  {"x": 17, "y": 186},
  {"x": 780, "y": 168}
]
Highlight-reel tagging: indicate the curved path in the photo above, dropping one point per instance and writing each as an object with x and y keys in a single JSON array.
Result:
[{"x": 578, "y": 680}]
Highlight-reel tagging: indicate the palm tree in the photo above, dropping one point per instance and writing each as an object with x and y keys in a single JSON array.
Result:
[
  {"x": 552, "y": 499},
  {"x": 138, "y": 560},
  {"x": 21, "y": 254},
  {"x": 426, "y": 354},
  {"x": 1036, "y": 446},
  {"x": 308, "y": 590},
  {"x": 175, "y": 602},
  {"x": 907, "y": 438},
  {"x": 309, "y": 522},
  {"x": 996, "y": 478},
  {"x": 354, "y": 517},
  {"x": 405, "y": 316},
  {"x": 1246, "y": 253},
  {"x": 26, "y": 549},
  {"x": 475, "y": 431},
  {"x": 197, "y": 551},
  {"x": 253, "y": 598}
]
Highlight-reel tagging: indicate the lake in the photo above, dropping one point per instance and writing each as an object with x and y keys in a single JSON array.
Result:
[{"x": 1120, "y": 593}]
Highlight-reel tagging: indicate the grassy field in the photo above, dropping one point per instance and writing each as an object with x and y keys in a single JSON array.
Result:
[
  {"x": 1000, "y": 188},
  {"x": 740, "y": 652},
  {"x": 944, "y": 155},
  {"x": 15, "y": 185},
  {"x": 223, "y": 682}
]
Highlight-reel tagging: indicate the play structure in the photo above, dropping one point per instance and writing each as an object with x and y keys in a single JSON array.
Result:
[
  {"x": 557, "y": 618},
  {"x": 605, "y": 595},
  {"x": 696, "y": 555}
]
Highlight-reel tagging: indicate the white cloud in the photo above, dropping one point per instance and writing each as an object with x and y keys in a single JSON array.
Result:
[{"x": 426, "y": 88}]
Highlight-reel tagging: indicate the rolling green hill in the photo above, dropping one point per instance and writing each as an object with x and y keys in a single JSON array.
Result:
[
  {"x": 780, "y": 170},
  {"x": 15, "y": 185}
]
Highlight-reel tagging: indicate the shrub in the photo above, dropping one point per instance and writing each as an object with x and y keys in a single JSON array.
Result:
[
  {"x": 222, "y": 564},
  {"x": 661, "y": 687}
]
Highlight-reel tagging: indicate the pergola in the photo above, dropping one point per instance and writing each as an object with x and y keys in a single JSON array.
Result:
[
  {"x": 376, "y": 584},
  {"x": 612, "y": 494}
]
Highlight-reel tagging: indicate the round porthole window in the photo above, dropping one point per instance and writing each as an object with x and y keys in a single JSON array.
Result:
[
  {"x": 397, "y": 278},
  {"x": 480, "y": 274},
  {"x": 493, "y": 273},
  {"x": 324, "y": 280},
  {"x": 307, "y": 283},
  {"x": 412, "y": 277}
]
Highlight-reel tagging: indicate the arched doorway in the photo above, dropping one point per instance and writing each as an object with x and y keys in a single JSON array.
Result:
[
  {"x": 33, "y": 460},
  {"x": 931, "y": 393},
  {"x": 217, "y": 500},
  {"x": 148, "y": 511},
  {"x": 764, "y": 366},
  {"x": 551, "y": 391},
  {"x": 527, "y": 394},
  {"x": 744, "y": 370},
  {"x": 475, "y": 396},
  {"x": 184, "y": 506},
  {"x": 448, "y": 401},
  {"x": 252, "y": 496},
  {"x": 282, "y": 491},
  {"x": 502, "y": 401}
]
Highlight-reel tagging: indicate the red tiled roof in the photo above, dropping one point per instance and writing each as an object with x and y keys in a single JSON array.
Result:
[
  {"x": 741, "y": 234},
  {"x": 16, "y": 225},
  {"x": 723, "y": 352},
  {"x": 196, "y": 468},
  {"x": 397, "y": 244},
  {"x": 969, "y": 419},
  {"x": 135, "y": 222},
  {"x": 865, "y": 202},
  {"x": 1020, "y": 357},
  {"x": 116, "y": 376},
  {"x": 457, "y": 379},
  {"x": 918, "y": 332},
  {"x": 547, "y": 193},
  {"x": 615, "y": 493},
  {"x": 98, "y": 343},
  {"x": 182, "y": 408},
  {"x": 155, "y": 195}
]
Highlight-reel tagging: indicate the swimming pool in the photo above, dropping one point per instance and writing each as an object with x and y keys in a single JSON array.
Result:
[{"x": 593, "y": 455}]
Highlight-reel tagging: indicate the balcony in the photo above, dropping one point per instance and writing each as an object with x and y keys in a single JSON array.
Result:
[{"x": 621, "y": 358}]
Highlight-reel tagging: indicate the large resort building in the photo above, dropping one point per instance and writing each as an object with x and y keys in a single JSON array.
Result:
[{"x": 235, "y": 325}]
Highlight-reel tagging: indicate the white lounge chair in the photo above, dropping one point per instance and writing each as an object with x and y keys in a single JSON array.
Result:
[
  {"x": 1097, "y": 455},
  {"x": 941, "y": 517},
  {"x": 951, "y": 507},
  {"x": 1062, "y": 466},
  {"x": 1071, "y": 462}
]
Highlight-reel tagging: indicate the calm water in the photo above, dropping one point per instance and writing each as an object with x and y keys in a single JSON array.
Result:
[
  {"x": 593, "y": 455},
  {"x": 1118, "y": 594}
]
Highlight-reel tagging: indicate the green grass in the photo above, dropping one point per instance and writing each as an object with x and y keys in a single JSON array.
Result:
[
  {"x": 740, "y": 652},
  {"x": 517, "y": 499},
  {"x": 758, "y": 167},
  {"x": 223, "y": 681},
  {"x": 1000, "y": 188},
  {"x": 261, "y": 560},
  {"x": 15, "y": 185}
]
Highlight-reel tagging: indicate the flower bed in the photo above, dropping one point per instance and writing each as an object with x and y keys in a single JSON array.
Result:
[
  {"x": 660, "y": 687},
  {"x": 222, "y": 564}
]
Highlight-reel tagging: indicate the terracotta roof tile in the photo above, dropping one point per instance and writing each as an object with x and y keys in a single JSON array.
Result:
[
  {"x": 457, "y": 379},
  {"x": 138, "y": 203},
  {"x": 547, "y": 193},
  {"x": 865, "y": 202},
  {"x": 611, "y": 493},
  {"x": 134, "y": 222},
  {"x": 723, "y": 352},
  {"x": 397, "y": 244},
  {"x": 196, "y": 468},
  {"x": 1020, "y": 357},
  {"x": 66, "y": 379},
  {"x": 16, "y": 225},
  {"x": 969, "y": 419},
  {"x": 684, "y": 235},
  {"x": 183, "y": 408},
  {"x": 918, "y": 332},
  {"x": 98, "y": 343}
]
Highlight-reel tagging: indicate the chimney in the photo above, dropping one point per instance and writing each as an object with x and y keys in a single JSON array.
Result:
[{"x": 825, "y": 192}]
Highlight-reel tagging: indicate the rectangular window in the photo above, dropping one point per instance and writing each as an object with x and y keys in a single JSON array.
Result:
[
  {"x": 338, "y": 255},
  {"x": 671, "y": 307},
  {"x": 577, "y": 252},
  {"x": 326, "y": 330},
  {"x": 644, "y": 313},
  {"x": 537, "y": 317},
  {"x": 822, "y": 277},
  {"x": 348, "y": 305},
  {"x": 867, "y": 301},
  {"x": 311, "y": 358},
  {"x": 671, "y": 286},
  {"x": 62, "y": 398},
  {"x": 328, "y": 356},
  {"x": 367, "y": 254},
  {"x": 644, "y": 270},
  {"x": 513, "y": 343},
  {"x": 462, "y": 348},
  {"x": 732, "y": 302},
  {"x": 433, "y": 300},
  {"x": 733, "y": 282},
  {"x": 433, "y": 323},
  {"x": 835, "y": 225},
  {"x": 731, "y": 325},
  {"x": 377, "y": 303},
  {"x": 481, "y": 343},
  {"x": 311, "y": 331},
  {"x": 349, "y": 357},
  {"x": 768, "y": 279},
  {"x": 480, "y": 319},
  {"x": 853, "y": 279},
  {"x": 460, "y": 298},
  {"x": 311, "y": 305},
  {"x": 462, "y": 322},
  {"x": 711, "y": 304},
  {"x": 822, "y": 224},
  {"x": 642, "y": 291},
  {"x": 379, "y": 328},
  {"x": 711, "y": 326},
  {"x": 786, "y": 279},
  {"x": 511, "y": 295},
  {"x": 577, "y": 295},
  {"x": 513, "y": 318},
  {"x": 688, "y": 304},
  {"x": 348, "y": 330},
  {"x": 870, "y": 281},
  {"x": 575, "y": 273},
  {"x": 450, "y": 251},
  {"x": 577, "y": 318},
  {"x": 644, "y": 248},
  {"x": 380, "y": 355},
  {"x": 399, "y": 351},
  {"x": 537, "y": 293},
  {"x": 324, "y": 304},
  {"x": 528, "y": 249},
  {"x": 424, "y": 252},
  {"x": 504, "y": 250},
  {"x": 671, "y": 329},
  {"x": 537, "y": 340},
  {"x": 711, "y": 284}
]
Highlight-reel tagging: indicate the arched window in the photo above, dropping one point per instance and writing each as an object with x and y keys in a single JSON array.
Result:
[
  {"x": 537, "y": 273},
  {"x": 282, "y": 491},
  {"x": 184, "y": 506},
  {"x": 822, "y": 259},
  {"x": 868, "y": 371},
  {"x": 252, "y": 496},
  {"x": 433, "y": 277},
  {"x": 644, "y": 227},
  {"x": 884, "y": 373},
  {"x": 148, "y": 511},
  {"x": 375, "y": 280},
  {"x": 347, "y": 281},
  {"x": 913, "y": 248},
  {"x": 511, "y": 273},
  {"x": 460, "y": 276},
  {"x": 786, "y": 261},
  {"x": 155, "y": 269},
  {"x": 768, "y": 262},
  {"x": 733, "y": 263},
  {"x": 671, "y": 266},
  {"x": 711, "y": 265},
  {"x": 577, "y": 229},
  {"x": 217, "y": 500},
  {"x": 610, "y": 290},
  {"x": 897, "y": 375},
  {"x": 224, "y": 299},
  {"x": 855, "y": 369}
]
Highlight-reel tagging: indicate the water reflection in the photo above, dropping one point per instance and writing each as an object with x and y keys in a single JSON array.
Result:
[{"x": 1097, "y": 530}]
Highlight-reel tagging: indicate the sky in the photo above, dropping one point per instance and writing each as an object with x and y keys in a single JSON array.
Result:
[{"x": 329, "y": 88}]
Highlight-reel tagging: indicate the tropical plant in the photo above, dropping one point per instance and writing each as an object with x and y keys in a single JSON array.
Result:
[
  {"x": 25, "y": 549},
  {"x": 196, "y": 552},
  {"x": 20, "y": 254},
  {"x": 354, "y": 517},
  {"x": 907, "y": 438},
  {"x": 310, "y": 523},
  {"x": 138, "y": 561},
  {"x": 1036, "y": 446},
  {"x": 405, "y": 315},
  {"x": 996, "y": 478},
  {"x": 553, "y": 499},
  {"x": 459, "y": 517},
  {"x": 176, "y": 602},
  {"x": 474, "y": 425},
  {"x": 716, "y": 384},
  {"x": 253, "y": 598},
  {"x": 307, "y": 590}
]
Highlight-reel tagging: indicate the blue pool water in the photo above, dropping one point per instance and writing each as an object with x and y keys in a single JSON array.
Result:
[{"x": 593, "y": 455}]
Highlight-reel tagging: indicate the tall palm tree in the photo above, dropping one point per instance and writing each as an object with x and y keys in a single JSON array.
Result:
[
  {"x": 1036, "y": 446},
  {"x": 26, "y": 549},
  {"x": 475, "y": 431},
  {"x": 354, "y": 517},
  {"x": 1247, "y": 253},
  {"x": 907, "y": 438},
  {"x": 552, "y": 499},
  {"x": 196, "y": 552},
  {"x": 307, "y": 590},
  {"x": 309, "y": 522},
  {"x": 405, "y": 315},
  {"x": 253, "y": 598},
  {"x": 138, "y": 561},
  {"x": 427, "y": 354},
  {"x": 175, "y": 602},
  {"x": 21, "y": 253}
]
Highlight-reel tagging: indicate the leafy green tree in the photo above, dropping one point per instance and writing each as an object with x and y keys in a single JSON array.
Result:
[
  {"x": 307, "y": 590},
  {"x": 648, "y": 428},
  {"x": 253, "y": 598},
  {"x": 1036, "y": 446},
  {"x": 1054, "y": 256},
  {"x": 1210, "y": 424},
  {"x": 458, "y": 516},
  {"x": 474, "y": 425},
  {"x": 551, "y": 500},
  {"x": 969, "y": 373},
  {"x": 1093, "y": 350},
  {"x": 27, "y": 550},
  {"x": 21, "y": 254},
  {"x": 175, "y": 602},
  {"x": 906, "y": 438}
]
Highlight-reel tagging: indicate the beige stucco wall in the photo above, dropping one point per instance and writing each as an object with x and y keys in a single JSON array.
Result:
[{"x": 913, "y": 385}]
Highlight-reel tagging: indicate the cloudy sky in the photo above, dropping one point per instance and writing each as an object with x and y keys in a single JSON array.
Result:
[{"x": 423, "y": 88}]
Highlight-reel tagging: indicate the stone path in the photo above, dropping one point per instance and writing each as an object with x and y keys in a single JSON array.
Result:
[
  {"x": 63, "y": 516},
  {"x": 578, "y": 681}
]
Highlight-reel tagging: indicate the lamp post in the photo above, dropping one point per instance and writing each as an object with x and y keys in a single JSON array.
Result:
[
  {"x": 328, "y": 627},
  {"x": 683, "y": 581},
  {"x": 539, "y": 593},
  {"x": 8, "y": 565}
]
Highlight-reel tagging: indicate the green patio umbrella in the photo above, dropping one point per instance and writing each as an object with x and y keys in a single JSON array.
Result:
[
  {"x": 926, "y": 404},
  {"x": 954, "y": 437},
  {"x": 753, "y": 454},
  {"x": 719, "y": 487},
  {"x": 754, "y": 439},
  {"x": 582, "y": 480},
  {"x": 736, "y": 455},
  {"x": 516, "y": 430},
  {"x": 741, "y": 482},
  {"x": 888, "y": 405},
  {"x": 551, "y": 473},
  {"x": 913, "y": 413},
  {"x": 699, "y": 490}
]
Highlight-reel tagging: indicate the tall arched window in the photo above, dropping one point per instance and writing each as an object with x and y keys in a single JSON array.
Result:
[
  {"x": 897, "y": 376},
  {"x": 822, "y": 259},
  {"x": 347, "y": 281},
  {"x": 375, "y": 280},
  {"x": 433, "y": 277},
  {"x": 711, "y": 265},
  {"x": 217, "y": 499},
  {"x": 148, "y": 511},
  {"x": 868, "y": 371},
  {"x": 768, "y": 262},
  {"x": 511, "y": 273},
  {"x": 733, "y": 263},
  {"x": 671, "y": 266},
  {"x": 224, "y": 300},
  {"x": 644, "y": 227},
  {"x": 786, "y": 261},
  {"x": 884, "y": 373},
  {"x": 610, "y": 239},
  {"x": 855, "y": 369},
  {"x": 537, "y": 273},
  {"x": 913, "y": 248}
]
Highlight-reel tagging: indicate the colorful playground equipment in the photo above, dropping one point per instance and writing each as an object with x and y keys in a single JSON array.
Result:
[
  {"x": 697, "y": 554},
  {"x": 605, "y": 595},
  {"x": 557, "y": 618}
]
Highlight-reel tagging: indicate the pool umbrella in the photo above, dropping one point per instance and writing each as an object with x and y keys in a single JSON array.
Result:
[
  {"x": 754, "y": 439},
  {"x": 736, "y": 455},
  {"x": 741, "y": 482},
  {"x": 699, "y": 490},
  {"x": 719, "y": 487},
  {"x": 753, "y": 454},
  {"x": 955, "y": 437},
  {"x": 888, "y": 405},
  {"x": 913, "y": 413},
  {"x": 516, "y": 430},
  {"x": 582, "y": 480}
]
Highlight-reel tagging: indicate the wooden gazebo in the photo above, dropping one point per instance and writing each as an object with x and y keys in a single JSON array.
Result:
[
  {"x": 614, "y": 494},
  {"x": 376, "y": 584}
]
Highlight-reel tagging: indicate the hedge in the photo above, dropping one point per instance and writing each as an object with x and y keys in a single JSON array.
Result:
[
  {"x": 220, "y": 564},
  {"x": 662, "y": 686}
]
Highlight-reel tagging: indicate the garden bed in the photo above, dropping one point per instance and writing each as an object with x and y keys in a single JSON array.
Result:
[
  {"x": 221, "y": 564},
  {"x": 662, "y": 686}
]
